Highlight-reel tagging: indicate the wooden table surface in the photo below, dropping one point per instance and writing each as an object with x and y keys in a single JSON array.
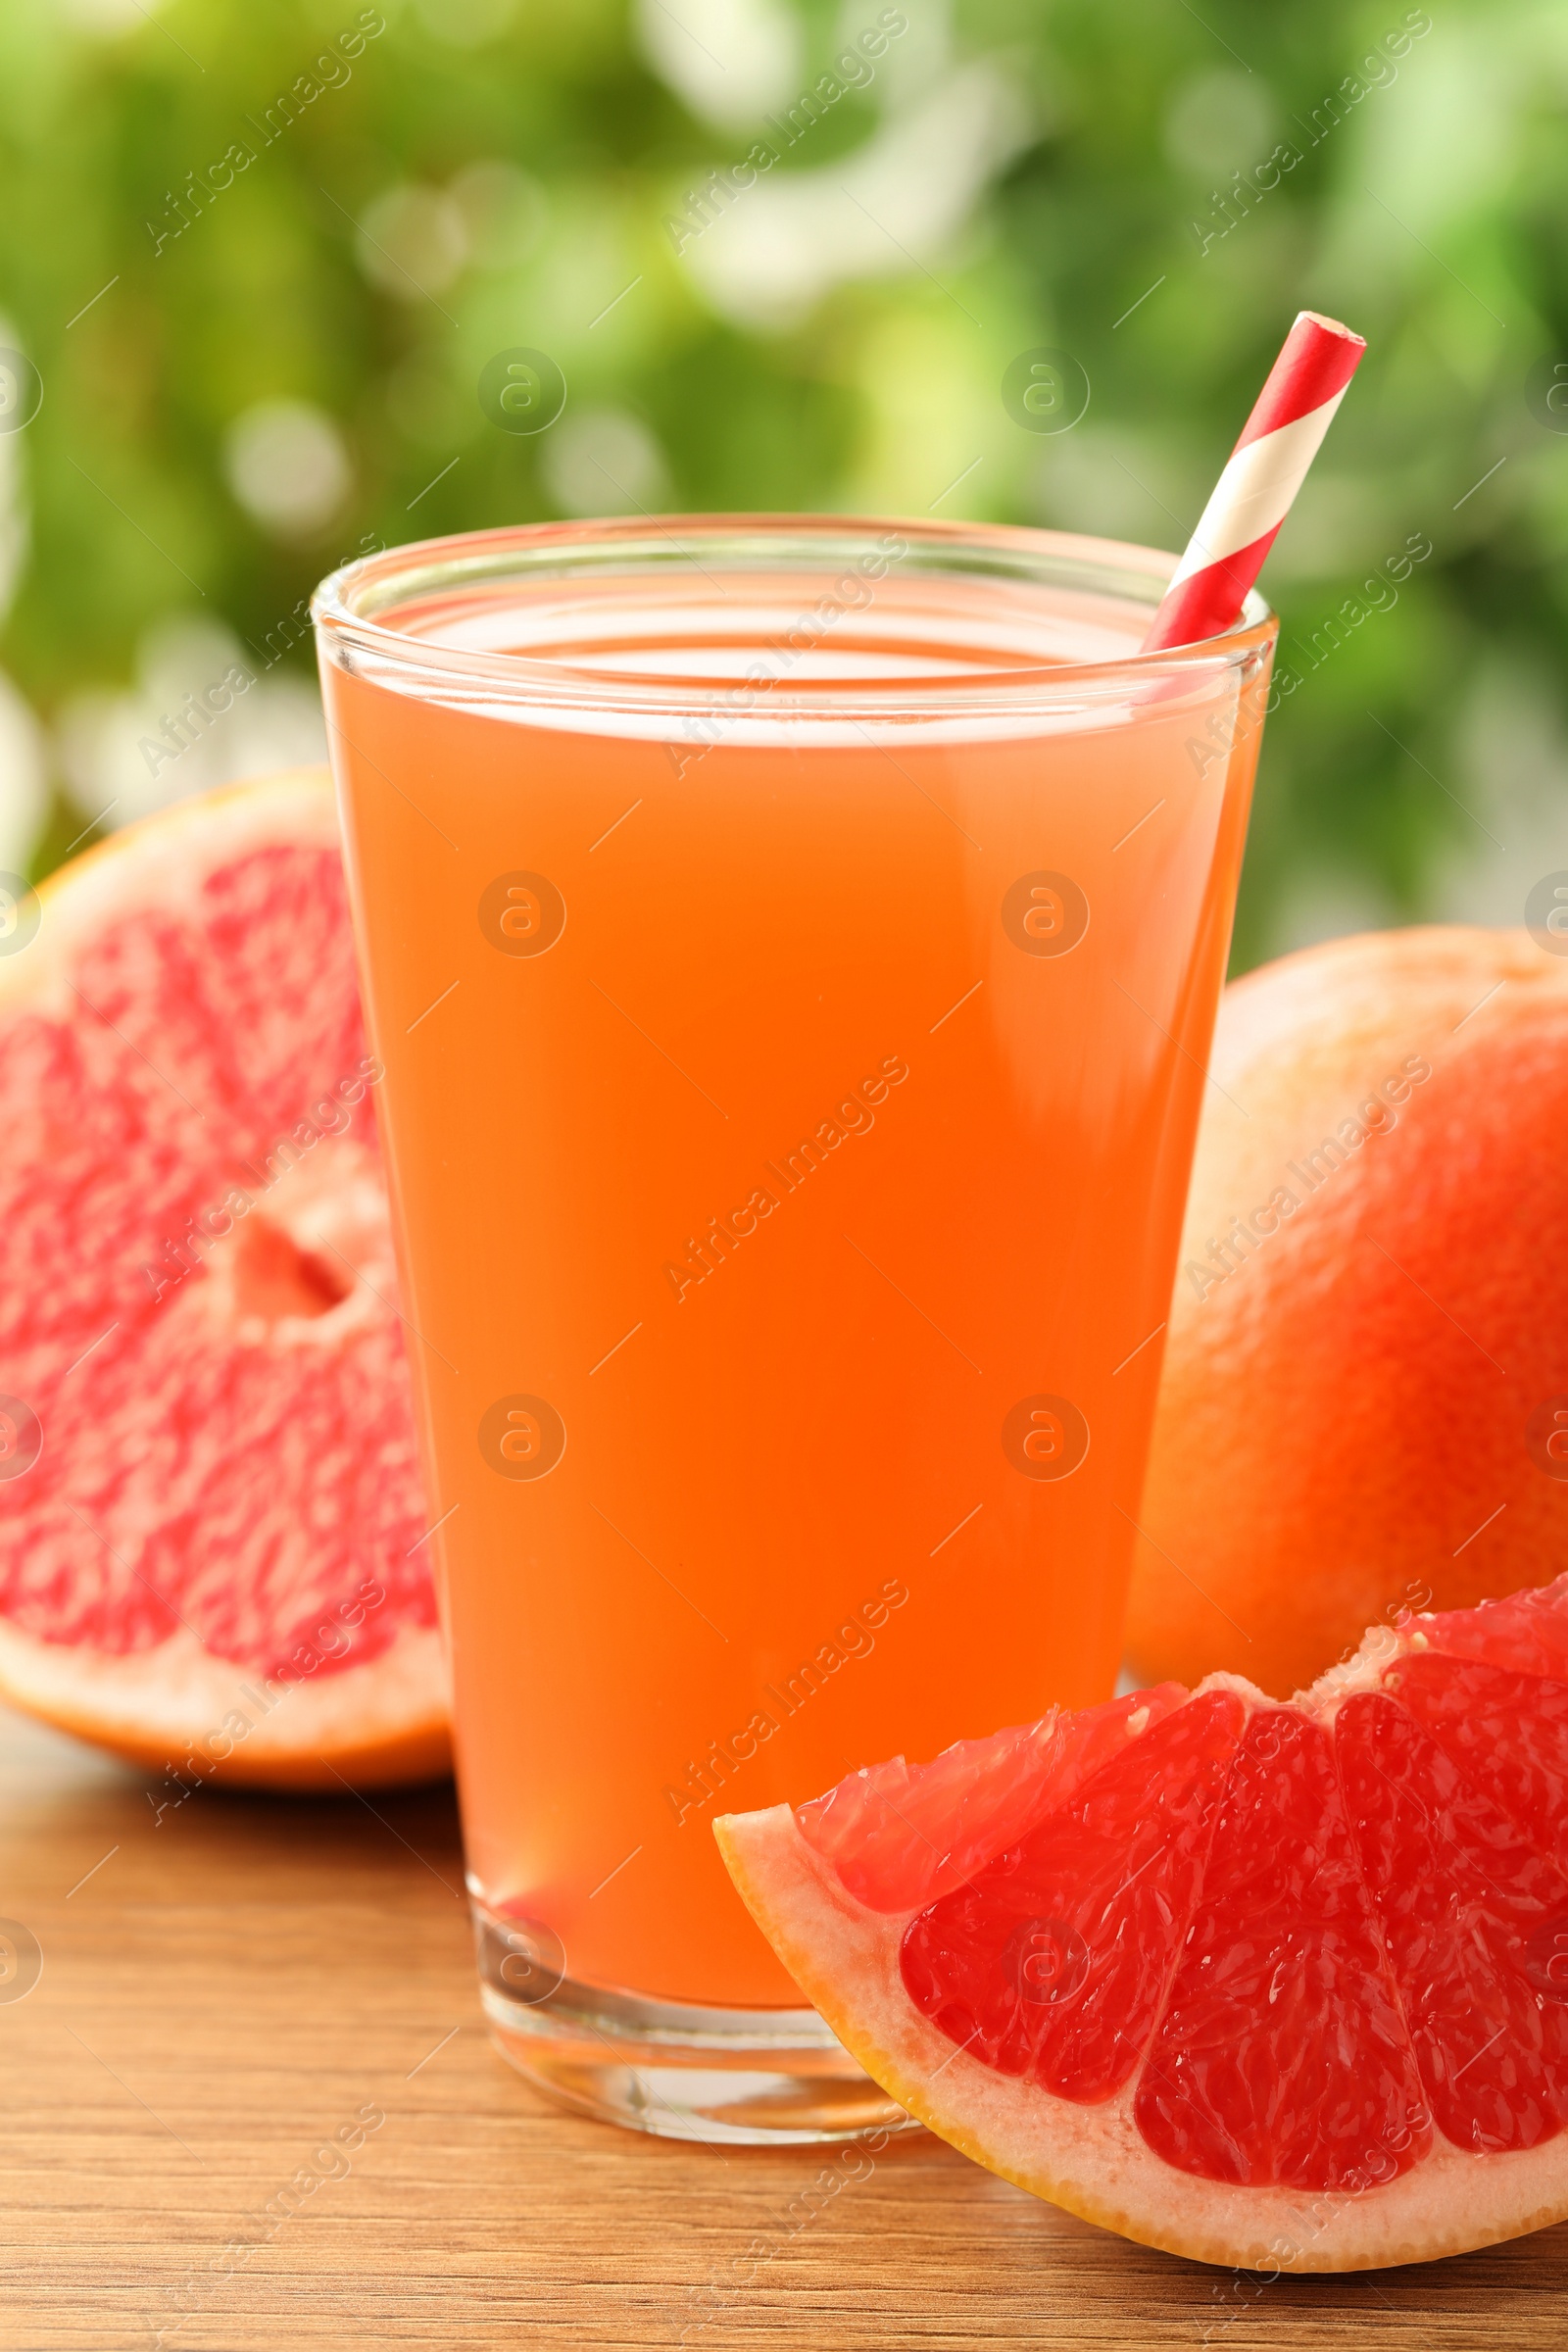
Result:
[{"x": 235, "y": 1985}]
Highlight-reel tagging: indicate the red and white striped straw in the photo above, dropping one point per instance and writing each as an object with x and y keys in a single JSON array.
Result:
[{"x": 1254, "y": 494}]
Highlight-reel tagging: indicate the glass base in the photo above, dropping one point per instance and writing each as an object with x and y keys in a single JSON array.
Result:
[{"x": 762, "y": 2076}]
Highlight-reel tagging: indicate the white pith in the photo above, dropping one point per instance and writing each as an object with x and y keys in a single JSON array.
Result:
[
  {"x": 1093, "y": 2160},
  {"x": 152, "y": 863},
  {"x": 182, "y": 1697}
]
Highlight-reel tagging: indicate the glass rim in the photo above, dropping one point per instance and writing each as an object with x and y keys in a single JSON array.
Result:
[{"x": 345, "y": 606}]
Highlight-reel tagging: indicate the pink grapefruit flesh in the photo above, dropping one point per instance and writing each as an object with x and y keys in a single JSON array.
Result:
[
  {"x": 1279, "y": 1986},
  {"x": 211, "y": 1510}
]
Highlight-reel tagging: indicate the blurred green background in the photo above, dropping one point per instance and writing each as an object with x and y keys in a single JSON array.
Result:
[{"x": 249, "y": 372}]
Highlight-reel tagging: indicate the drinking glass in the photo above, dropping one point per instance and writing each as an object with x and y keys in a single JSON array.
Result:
[{"x": 793, "y": 944}]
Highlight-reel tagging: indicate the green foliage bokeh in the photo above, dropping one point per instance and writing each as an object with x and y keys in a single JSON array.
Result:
[{"x": 1419, "y": 766}]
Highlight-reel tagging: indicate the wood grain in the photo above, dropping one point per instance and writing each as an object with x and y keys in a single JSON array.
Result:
[{"x": 239, "y": 1978}]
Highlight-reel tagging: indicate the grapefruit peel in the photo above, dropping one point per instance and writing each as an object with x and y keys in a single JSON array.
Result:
[
  {"x": 1367, "y": 1150},
  {"x": 1410, "y": 2194},
  {"x": 319, "y": 1674}
]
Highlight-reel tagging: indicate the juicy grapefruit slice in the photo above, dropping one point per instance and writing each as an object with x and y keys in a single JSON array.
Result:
[
  {"x": 1279, "y": 1986},
  {"x": 210, "y": 1512}
]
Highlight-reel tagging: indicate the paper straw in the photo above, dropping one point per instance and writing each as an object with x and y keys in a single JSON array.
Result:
[{"x": 1252, "y": 496}]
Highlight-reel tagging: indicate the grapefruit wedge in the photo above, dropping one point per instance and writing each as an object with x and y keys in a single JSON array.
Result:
[
  {"x": 1279, "y": 1986},
  {"x": 211, "y": 1510}
]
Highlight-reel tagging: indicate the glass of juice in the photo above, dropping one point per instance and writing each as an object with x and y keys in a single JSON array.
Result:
[{"x": 793, "y": 945}]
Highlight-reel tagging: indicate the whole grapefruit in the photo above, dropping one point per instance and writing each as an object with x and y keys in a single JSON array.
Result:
[
  {"x": 215, "y": 1546},
  {"x": 1364, "y": 1407}
]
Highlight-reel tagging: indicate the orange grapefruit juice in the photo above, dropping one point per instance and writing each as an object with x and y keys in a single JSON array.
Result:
[{"x": 791, "y": 1082}]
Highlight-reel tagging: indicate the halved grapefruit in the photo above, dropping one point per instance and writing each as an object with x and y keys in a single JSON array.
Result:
[
  {"x": 211, "y": 1510},
  {"x": 1279, "y": 1986}
]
